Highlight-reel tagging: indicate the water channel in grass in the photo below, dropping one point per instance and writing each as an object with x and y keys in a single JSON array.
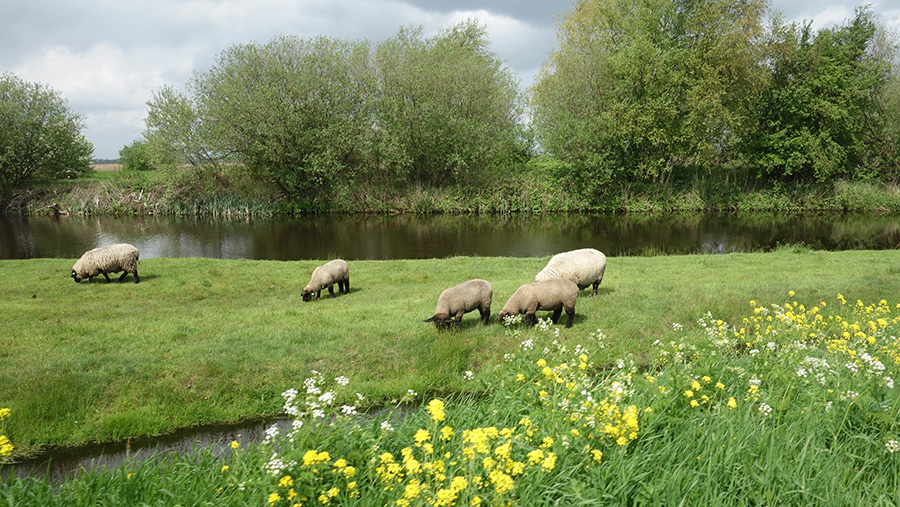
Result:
[{"x": 381, "y": 237}]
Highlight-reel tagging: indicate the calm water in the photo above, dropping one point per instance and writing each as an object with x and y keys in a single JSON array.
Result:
[{"x": 413, "y": 236}]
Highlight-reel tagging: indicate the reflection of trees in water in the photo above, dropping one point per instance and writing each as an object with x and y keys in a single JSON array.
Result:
[{"x": 423, "y": 236}]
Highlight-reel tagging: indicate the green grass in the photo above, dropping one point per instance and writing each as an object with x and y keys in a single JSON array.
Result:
[
  {"x": 789, "y": 401},
  {"x": 202, "y": 341}
]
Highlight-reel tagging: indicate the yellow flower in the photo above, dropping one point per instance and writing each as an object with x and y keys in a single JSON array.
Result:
[
  {"x": 597, "y": 455},
  {"x": 541, "y": 363},
  {"x": 695, "y": 403},
  {"x": 291, "y": 494},
  {"x": 535, "y": 456},
  {"x": 421, "y": 436},
  {"x": 476, "y": 501},
  {"x": 689, "y": 393},
  {"x": 695, "y": 385},
  {"x": 446, "y": 433},
  {"x": 286, "y": 481},
  {"x": 224, "y": 468},
  {"x": 340, "y": 463},
  {"x": 706, "y": 379},
  {"x": 235, "y": 444},
  {"x": 547, "y": 442},
  {"x": 333, "y": 492},
  {"x": 549, "y": 462},
  {"x": 791, "y": 293},
  {"x": 436, "y": 409},
  {"x": 720, "y": 385},
  {"x": 732, "y": 403},
  {"x": 274, "y": 497},
  {"x": 4, "y": 413},
  {"x": 412, "y": 489},
  {"x": 520, "y": 378},
  {"x": 349, "y": 472}
]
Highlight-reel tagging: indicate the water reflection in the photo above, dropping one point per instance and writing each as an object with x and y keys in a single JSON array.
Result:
[{"x": 381, "y": 237}]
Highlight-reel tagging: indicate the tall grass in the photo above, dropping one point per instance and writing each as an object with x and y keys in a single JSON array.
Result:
[
  {"x": 535, "y": 188},
  {"x": 792, "y": 403}
]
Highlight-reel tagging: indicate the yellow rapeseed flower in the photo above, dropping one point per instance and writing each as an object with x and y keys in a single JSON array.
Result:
[
  {"x": 286, "y": 481},
  {"x": 541, "y": 363},
  {"x": 421, "y": 436},
  {"x": 446, "y": 433},
  {"x": 732, "y": 403},
  {"x": 597, "y": 455},
  {"x": 274, "y": 497},
  {"x": 436, "y": 409},
  {"x": 4, "y": 413},
  {"x": 235, "y": 444}
]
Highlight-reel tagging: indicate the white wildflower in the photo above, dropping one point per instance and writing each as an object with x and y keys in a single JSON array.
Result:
[
  {"x": 801, "y": 372},
  {"x": 765, "y": 409},
  {"x": 468, "y": 375},
  {"x": 386, "y": 426},
  {"x": 318, "y": 413},
  {"x": 271, "y": 432},
  {"x": 852, "y": 367},
  {"x": 753, "y": 352},
  {"x": 348, "y": 410},
  {"x": 892, "y": 446},
  {"x": 327, "y": 398},
  {"x": 342, "y": 380}
]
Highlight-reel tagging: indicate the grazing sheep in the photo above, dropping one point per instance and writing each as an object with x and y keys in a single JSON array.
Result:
[
  {"x": 554, "y": 295},
  {"x": 584, "y": 267},
  {"x": 107, "y": 259},
  {"x": 325, "y": 276},
  {"x": 461, "y": 299}
]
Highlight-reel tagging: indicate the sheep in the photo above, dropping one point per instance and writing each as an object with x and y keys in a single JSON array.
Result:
[
  {"x": 555, "y": 295},
  {"x": 325, "y": 276},
  {"x": 584, "y": 267},
  {"x": 461, "y": 299},
  {"x": 107, "y": 259}
]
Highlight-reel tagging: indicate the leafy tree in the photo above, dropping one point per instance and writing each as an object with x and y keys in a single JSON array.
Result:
[
  {"x": 448, "y": 111},
  {"x": 816, "y": 119},
  {"x": 40, "y": 138},
  {"x": 295, "y": 111},
  {"x": 135, "y": 157},
  {"x": 638, "y": 88}
]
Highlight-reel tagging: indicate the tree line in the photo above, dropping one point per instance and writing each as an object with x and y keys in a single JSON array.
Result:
[{"x": 636, "y": 91}]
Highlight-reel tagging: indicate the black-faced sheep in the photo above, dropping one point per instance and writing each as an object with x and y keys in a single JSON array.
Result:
[
  {"x": 105, "y": 260},
  {"x": 551, "y": 295},
  {"x": 325, "y": 276},
  {"x": 584, "y": 267},
  {"x": 461, "y": 299}
]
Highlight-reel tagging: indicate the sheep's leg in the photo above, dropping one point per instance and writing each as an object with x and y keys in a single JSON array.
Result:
[
  {"x": 596, "y": 285},
  {"x": 529, "y": 319},
  {"x": 107, "y": 277},
  {"x": 347, "y": 286},
  {"x": 122, "y": 278},
  {"x": 331, "y": 290},
  {"x": 485, "y": 315},
  {"x": 570, "y": 316},
  {"x": 556, "y": 314},
  {"x": 136, "y": 278}
]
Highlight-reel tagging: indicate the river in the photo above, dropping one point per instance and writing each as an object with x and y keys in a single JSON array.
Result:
[{"x": 380, "y": 237}]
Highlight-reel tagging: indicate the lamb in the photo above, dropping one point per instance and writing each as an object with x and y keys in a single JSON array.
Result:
[
  {"x": 555, "y": 295},
  {"x": 584, "y": 267},
  {"x": 107, "y": 259},
  {"x": 325, "y": 276},
  {"x": 461, "y": 299}
]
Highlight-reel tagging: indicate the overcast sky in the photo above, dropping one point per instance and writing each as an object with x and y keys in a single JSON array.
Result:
[{"x": 106, "y": 57}]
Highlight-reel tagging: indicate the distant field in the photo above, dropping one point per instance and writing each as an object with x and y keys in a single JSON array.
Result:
[{"x": 106, "y": 167}]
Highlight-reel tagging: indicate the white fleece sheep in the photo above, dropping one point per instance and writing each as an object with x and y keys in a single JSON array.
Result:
[
  {"x": 553, "y": 295},
  {"x": 325, "y": 276},
  {"x": 461, "y": 299},
  {"x": 584, "y": 267},
  {"x": 107, "y": 259}
]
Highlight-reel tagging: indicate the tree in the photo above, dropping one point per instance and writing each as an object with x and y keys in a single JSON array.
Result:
[
  {"x": 448, "y": 111},
  {"x": 638, "y": 88},
  {"x": 135, "y": 157},
  {"x": 40, "y": 138},
  {"x": 819, "y": 116}
]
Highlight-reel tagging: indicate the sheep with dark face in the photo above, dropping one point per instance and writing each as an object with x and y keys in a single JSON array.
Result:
[
  {"x": 583, "y": 267},
  {"x": 461, "y": 299},
  {"x": 549, "y": 295},
  {"x": 105, "y": 260},
  {"x": 324, "y": 277}
]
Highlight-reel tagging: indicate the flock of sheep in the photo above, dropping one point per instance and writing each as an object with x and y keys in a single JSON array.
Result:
[{"x": 555, "y": 288}]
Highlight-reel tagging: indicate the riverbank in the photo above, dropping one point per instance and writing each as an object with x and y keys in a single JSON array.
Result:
[
  {"x": 233, "y": 194},
  {"x": 204, "y": 341},
  {"x": 748, "y": 395}
]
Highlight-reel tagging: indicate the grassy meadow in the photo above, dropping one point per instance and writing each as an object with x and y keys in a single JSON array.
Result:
[{"x": 687, "y": 378}]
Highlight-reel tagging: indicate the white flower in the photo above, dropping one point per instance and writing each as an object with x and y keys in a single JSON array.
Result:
[
  {"x": 771, "y": 346},
  {"x": 801, "y": 372},
  {"x": 386, "y": 426},
  {"x": 327, "y": 398},
  {"x": 528, "y": 344},
  {"x": 765, "y": 409},
  {"x": 852, "y": 395},
  {"x": 753, "y": 352},
  {"x": 318, "y": 413},
  {"x": 342, "y": 380},
  {"x": 360, "y": 397},
  {"x": 676, "y": 326},
  {"x": 755, "y": 381},
  {"x": 889, "y": 382},
  {"x": 348, "y": 409},
  {"x": 852, "y": 367},
  {"x": 289, "y": 395},
  {"x": 892, "y": 446},
  {"x": 468, "y": 375},
  {"x": 271, "y": 432},
  {"x": 412, "y": 393}
]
